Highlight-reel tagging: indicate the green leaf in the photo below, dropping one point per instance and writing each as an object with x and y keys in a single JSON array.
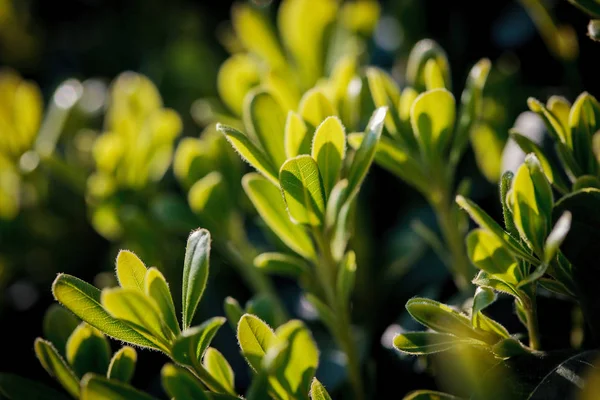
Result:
[
  {"x": 589, "y": 6},
  {"x": 505, "y": 185},
  {"x": 434, "y": 78},
  {"x": 269, "y": 203},
  {"x": 233, "y": 311},
  {"x": 296, "y": 138},
  {"x": 255, "y": 338},
  {"x": 303, "y": 190},
  {"x": 532, "y": 202},
  {"x": 189, "y": 347},
  {"x": 315, "y": 107},
  {"x": 484, "y": 279},
  {"x": 553, "y": 124},
  {"x": 366, "y": 152},
  {"x": 551, "y": 171},
  {"x": 429, "y": 395},
  {"x": 486, "y": 222},
  {"x": 385, "y": 93},
  {"x": 219, "y": 368},
  {"x": 509, "y": 347},
  {"x": 256, "y": 34},
  {"x": 195, "y": 272},
  {"x": 130, "y": 271},
  {"x": 94, "y": 387},
  {"x": 236, "y": 77},
  {"x": 58, "y": 325},
  {"x": 335, "y": 203},
  {"x": 443, "y": 319},
  {"x": 281, "y": 264},
  {"x": 122, "y": 364},
  {"x": 432, "y": 118},
  {"x": 83, "y": 300},
  {"x": 396, "y": 160},
  {"x": 471, "y": 104},
  {"x": 317, "y": 391},
  {"x": 302, "y": 358},
  {"x": 157, "y": 289},
  {"x": 88, "y": 351},
  {"x": 181, "y": 384},
  {"x": 329, "y": 150},
  {"x": 346, "y": 277},
  {"x": 137, "y": 309},
  {"x": 250, "y": 152},
  {"x": 423, "y": 51},
  {"x": 421, "y": 343},
  {"x": 488, "y": 148},
  {"x": 488, "y": 254},
  {"x": 482, "y": 299},
  {"x": 584, "y": 123},
  {"x": 264, "y": 119},
  {"x": 54, "y": 364},
  {"x": 14, "y": 387},
  {"x": 557, "y": 236},
  {"x": 209, "y": 198}
]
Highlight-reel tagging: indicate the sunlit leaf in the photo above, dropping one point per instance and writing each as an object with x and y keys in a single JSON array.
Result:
[
  {"x": 156, "y": 287},
  {"x": 88, "y": 351},
  {"x": 420, "y": 343},
  {"x": 94, "y": 387},
  {"x": 58, "y": 325},
  {"x": 189, "y": 347},
  {"x": 181, "y": 384},
  {"x": 122, "y": 364},
  {"x": 255, "y": 338},
  {"x": 219, "y": 368},
  {"x": 281, "y": 264},
  {"x": 54, "y": 364},
  {"x": 195, "y": 273},
  {"x": 329, "y": 150}
]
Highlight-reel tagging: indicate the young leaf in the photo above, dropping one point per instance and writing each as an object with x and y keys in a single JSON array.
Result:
[
  {"x": 156, "y": 287},
  {"x": 441, "y": 318},
  {"x": 366, "y": 152},
  {"x": 265, "y": 120},
  {"x": 122, "y": 364},
  {"x": 317, "y": 391},
  {"x": 94, "y": 387},
  {"x": 88, "y": 351},
  {"x": 189, "y": 347},
  {"x": 83, "y": 300},
  {"x": 482, "y": 299},
  {"x": 302, "y": 358},
  {"x": 505, "y": 185},
  {"x": 296, "y": 138},
  {"x": 255, "y": 338},
  {"x": 488, "y": 253},
  {"x": 180, "y": 384},
  {"x": 58, "y": 325},
  {"x": 236, "y": 77},
  {"x": 557, "y": 236},
  {"x": 421, "y": 52},
  {"x": 315, "y": 107},
  {"x": 269, "y": 203},
  {"x": 329, "y": 149},
  {"x": 421, "y": 343},
  {"x": 532, "y": 203},
  {"x": 195, "y": 273},
  {"x": 138, "y": 309},
  {"x": 281, "y": 264},
  {"x": 303, "y": 190},
  {"x": 14, "y": 387},
  {"x": 486, "y": 222},
  {"x": 434, "y": 78},
  {"x": 130, "y": 271},
  {"x": 219, "y": 368},
  {"x": 233, "y": 311},
  {"x": 385, "y": 93},
  {"x": 54, "y": 364},
  {"x": 250, "y": 152},
  {"x": 432, "y": 118},
  {"x": 208, "y": 197}
]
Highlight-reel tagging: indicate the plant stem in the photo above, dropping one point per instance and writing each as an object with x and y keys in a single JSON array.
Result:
[
  {"x": 454, "y": 238},
  {"x": 532, "y": 325},
  {"x": 327, "y": 272},
  {"x": 241, "y": 257}
]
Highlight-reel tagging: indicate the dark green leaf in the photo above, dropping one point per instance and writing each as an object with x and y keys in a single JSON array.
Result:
[{"x": 122, "y": 364}]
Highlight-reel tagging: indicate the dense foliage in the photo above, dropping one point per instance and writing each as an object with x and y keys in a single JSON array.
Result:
[{"x": 275, "y": 192}]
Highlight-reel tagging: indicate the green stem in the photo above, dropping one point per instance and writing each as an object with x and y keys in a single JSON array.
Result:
[
  {"x": 327, "y": 272},
  {"x": 461, "y": 266},
  {"x": 532, "y": 325},
  {"x": 241, "y": 257}
]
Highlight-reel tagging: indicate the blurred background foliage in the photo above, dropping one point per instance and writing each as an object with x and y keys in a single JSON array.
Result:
[{"x": 104, "y": 139}]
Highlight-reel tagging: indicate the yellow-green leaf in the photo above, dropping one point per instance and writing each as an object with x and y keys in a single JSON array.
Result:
[
  {"x": 255, "y": 338},
  {"x": 488, "y": 253},
  {"x": 296, "y": 137},
  {"x": 54, "y": 364},
  {"x": 269, "y": 203},
  {"x": 329, "y": 150},
  {"x": 317, "y": 391},
  {"x": 432, "y": 119},
  {"x": 157, "y": 289},
  {"x": 189, "y": 347},
  {"x": 421, "y": 343},
  {"x": 219, "y": 368},
  {"x": 195, "y": 272},
  {"x": 315, "y": 107},
  {"x": 302, "y": 188},
  {"x": 122, "y": 364},
  {"x": 237, "y": 76},
  {"x": 88, "y": 350},
  {"x": 130, "y": 271},
  {"x": 281, "y": 264},
  {"x": 181, "y": 384},
  {"x": 83, "y": 300},
  {"x": 94, "y": 387}
]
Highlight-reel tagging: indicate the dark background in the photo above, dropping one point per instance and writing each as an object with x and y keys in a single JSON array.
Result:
[{"x": 175, "y": 43}]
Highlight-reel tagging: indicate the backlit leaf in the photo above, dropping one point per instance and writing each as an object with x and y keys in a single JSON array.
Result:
[
  {"x": 54, "y": 364},
  {"x": 181, "y": 384},
  {"x": 122, "y": 364},
  {"x": 195, "y": 273},
  {"x": 189, "y": 347},
  {"x": 157, "y": 289},
  {"x": 255, "y": 338},
  {"x": 329, "y": 150},
  {"x": 421, "y": 343},
  {"x": 88, "y": 351},
  {"x": 219, "y": 368},
  {"x": 94, "y": 387}
]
